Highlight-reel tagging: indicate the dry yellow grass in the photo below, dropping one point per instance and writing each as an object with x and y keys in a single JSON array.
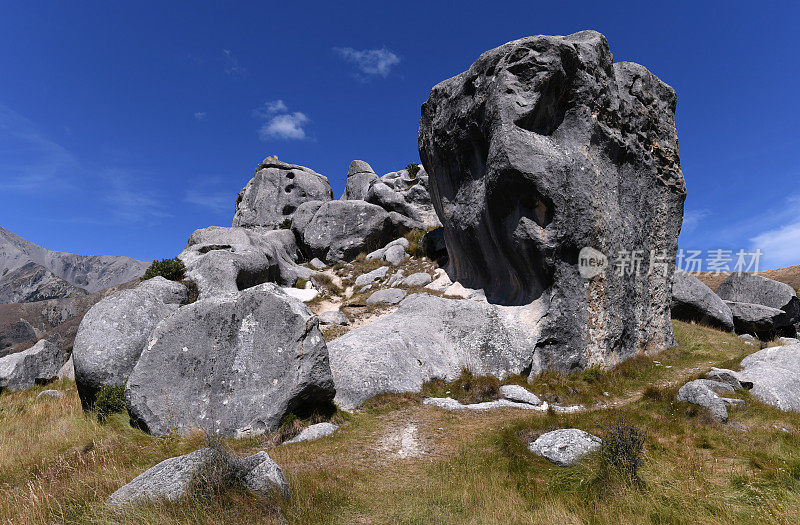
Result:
[{"x": 397, "y": 461}]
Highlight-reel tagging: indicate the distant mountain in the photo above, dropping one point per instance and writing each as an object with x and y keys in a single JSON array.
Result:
[{"x": 29, "y": 272}]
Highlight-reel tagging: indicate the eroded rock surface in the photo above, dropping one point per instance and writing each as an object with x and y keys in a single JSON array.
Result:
[
  {"x": 694, "y": 301},
  {"x": 544, "y": 147},
  {"x": 39, "y": 363},
  {"x": 565, "y": 447}
]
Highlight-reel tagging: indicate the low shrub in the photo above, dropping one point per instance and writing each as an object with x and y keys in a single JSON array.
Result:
[
  {"x": 622, "y": 450},
  {"x": 110, "y": 400},
  {"x": 171, "y": 269},
  {"x": 412, "y": 170},
  {"x": 467, "y": 388},
  {"x": 416, "y": 247}
]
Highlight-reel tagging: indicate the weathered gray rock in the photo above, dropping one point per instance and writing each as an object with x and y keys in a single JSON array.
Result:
[
  {"x": 225, "y": 260},
  {"x": 786, "y": 341},
  {"x": 775, "y": 375},
  {"x": 333, "y": 317},
  {"x": 448, "y": 403},
  {"x": 17, "y": 332},
  {"x": 338, "y": 231},
  {"x": 747, "y": 337},
  {"x": 694, "y": 301},
  {"x": 764, "y": 321},
  {"x": 38, "y": 364},
  {"x": 431, "y": 337},
  {"x": 360, "y": 177},
  {"x": 231, "y": 365},
  {"x": 565, "y": 447},
  {"x": 757, "y": 289},
  {"x": 174, "y": 477},
  {"x": 521, "y": 394},
  {"x": 317, "y": 264},
  {"x": 406, "y": 194},
  {"x": 115, "y": 331},
  {"x": 54, "y": 394},
  {"x": 370, "y": 277},
  {"x": 89, "y": 272},
  {"x": 395, "y": 254},
  {"x": 387, "y": 296},
  {"x": 729, "y": 377},
  {"x": 380, "y": 254},
  {"x": 67, "y": 371},
  {"x": 699, "y": 392},
  {"x": 417, "y": 279},
  {"x": 314, "y": 432},
  {"x": 544, "y": 147},
  {"x": 276, "y": 191}
]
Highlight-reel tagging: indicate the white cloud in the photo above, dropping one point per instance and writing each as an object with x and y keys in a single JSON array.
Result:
[
  {"x": 370, "y": 62},
  {"x": 200, "y": 115},
  {"x": 232, "y": 67},
  {"x": 132, "y": 205},
  {"x": 287, "y": 126},
  {"x": 270, "y": 108},
  {"x": 780, "y": 247}
]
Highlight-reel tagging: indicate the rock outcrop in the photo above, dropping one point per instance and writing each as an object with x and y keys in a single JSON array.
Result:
[
  {"x": 694, "y": 301},
  {"x": 405, "y": 192},
  {"x": 224, "y": 260},
  {"x": 545, "y": 147},
  {"x": 763, "y": 321},
  {"x": 38, "y": 364},
  {"x": 775, "y": 375},
  {"x": 276, "y": 191},
  {"x": 338, "y": 231},
  {"x": 757, "y": 289},
  {"x": 232, "y": 365},
  {"x": 360, "y": 176},
  {"x": 113, "y": 334},
  {"x": 29, "y": 272},
  {"x": 431, "y": 337}
]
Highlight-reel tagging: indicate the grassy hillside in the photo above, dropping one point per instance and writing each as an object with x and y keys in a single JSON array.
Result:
[{"x": 397, "y": 461}]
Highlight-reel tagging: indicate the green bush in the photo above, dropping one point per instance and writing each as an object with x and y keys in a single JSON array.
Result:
[
  {"x": 110, "y": 400},
  {"x": 171, "y": 269},
  {"x": 416, "y": 247},
  {"x": 412, "y": 170}
]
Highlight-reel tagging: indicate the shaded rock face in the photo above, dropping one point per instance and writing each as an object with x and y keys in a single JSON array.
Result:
[
  {"x": 431, "y": 337},
  {"x": 16, "y": 333},
  {"x": 233, "y": 364},
  {"x": 339, "y": 230},
  {"x": 544, "y": 147},
  {"x": 113, "y": 334},
  {"x": 37, "y": 364},
  {"x": 224, "y": 260},
  {"x": 765, "y": 322},
  {"x": 31, "y": 283},
  {"x": 757, "y": 289},
  {"x": 694, "y": 301},
  {"x": 276, "y": 191}
]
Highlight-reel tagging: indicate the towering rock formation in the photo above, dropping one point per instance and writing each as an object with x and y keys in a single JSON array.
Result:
[{"x": 545, "y": 147}]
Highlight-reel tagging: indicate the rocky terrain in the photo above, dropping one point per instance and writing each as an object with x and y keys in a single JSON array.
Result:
[
  {"x": 31, "y": 273},
  {"x": 428, "y": 338}
]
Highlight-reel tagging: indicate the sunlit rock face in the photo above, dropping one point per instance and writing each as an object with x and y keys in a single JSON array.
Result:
[{"x": 545, "y": 147}]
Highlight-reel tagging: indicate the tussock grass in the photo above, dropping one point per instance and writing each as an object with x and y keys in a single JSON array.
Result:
[{"x": 58, "y": 465}]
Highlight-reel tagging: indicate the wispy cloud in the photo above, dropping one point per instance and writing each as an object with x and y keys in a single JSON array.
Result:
[
  {"x": 217, "y": 202},
  {"x": 232, "y": 67},
  {"x": 370, "y": 62},
  {"x": 692, "y": 219},
  {"x": 132, "y": 205},
  {"x": 200, "y": 115},
  {"x": 280, "y": 122},
  {"x": 781, "y": 245}
]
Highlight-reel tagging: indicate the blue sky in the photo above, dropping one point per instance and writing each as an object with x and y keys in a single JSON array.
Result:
[{"x": 126, "y": 126}]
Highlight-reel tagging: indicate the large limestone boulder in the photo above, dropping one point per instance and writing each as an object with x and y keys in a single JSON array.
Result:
[
  {"x": 115, "y": 331},
  {"x": 233, "y": 365},
  {"x": 431, "y": 337},
  {"x": 757, "y": 289},
  {"x": 544, "y": 147},
  {"x": 360, "y": 176},
  {"x": 692, "y": 300},
  {"x": 224, "y": 260},
  {"x": 276, "y": 191},
  {"x": 775, "y": 376},
  {"x": 763, "y": 321},
  {"x": 565, "y": 447},
  {"x": 40, "y": 363},
  {"x": 405, "y": 192},
  {"x": 340, "y": 230}
]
